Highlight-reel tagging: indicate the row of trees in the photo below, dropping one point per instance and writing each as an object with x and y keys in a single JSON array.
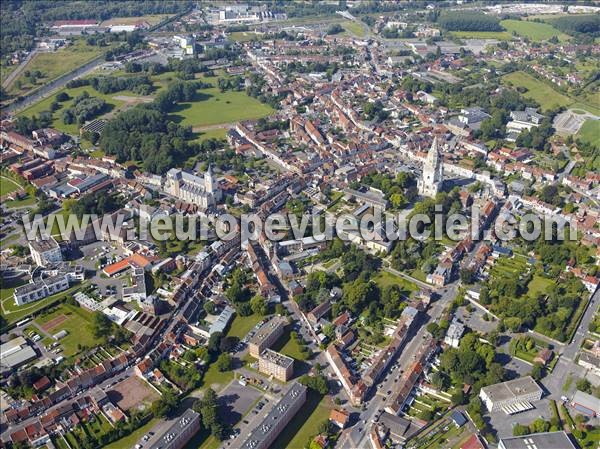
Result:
[{"x": 141, "y": 85}]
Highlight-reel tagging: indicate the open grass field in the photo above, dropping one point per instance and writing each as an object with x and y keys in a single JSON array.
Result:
[
  {"x": 354, "y": 28},
  {"x": 54, "y": 64},
  {"x": 534, "y": 30},
  {"x": 76, "y": 321},
  {"x": 539, "y": 91},
  {"x": 538, "y": 285},
  {"x": 244, "y": 36},
  {"x": 594, "y": 108},
  {"x": 385, "y": 279},
  {"x": 498, "y": 35},
  {"x": 590, "y": 132},
  {"x": 7, "y": 186},
  {"x": 214, "y": 107},
  {"x": 217, "y": 133},
  {"x": 216, "y": 379},
  {"x": 241, "y": 325},
  {"x": 305, "y": 424}
]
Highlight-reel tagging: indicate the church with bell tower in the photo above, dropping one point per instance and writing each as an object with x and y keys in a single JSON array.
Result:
[{"x": 431, "y": 182}]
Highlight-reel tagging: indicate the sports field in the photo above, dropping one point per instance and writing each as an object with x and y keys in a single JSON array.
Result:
[
  {"x": 354, "y": 28},
  {"x": 533, "y": 30},
  {"x": 76, "y": 321},
  {"x": 538, "y": 90}
]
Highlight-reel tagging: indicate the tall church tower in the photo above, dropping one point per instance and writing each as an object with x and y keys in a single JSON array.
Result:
[
  {"x": 209, "y": 180},
  {"x": 433, "y": 172}
]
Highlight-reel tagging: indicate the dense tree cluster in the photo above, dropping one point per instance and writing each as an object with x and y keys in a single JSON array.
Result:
[
  {"x": 98, "y": 203},
  {"x": 25, "y": 125},
  {"x": 84, "y": 108},
  {"x": 208, "y": 407},
  {"x": 469, "y": 21},
  {"x": 398, "y": 191},
  {"x": 335, "y": 28},
  {"x": 575, "y": 24},
  {"x": 185, "y": 376},
  {"x": 473, "y": 363},
  {"x": 373, "y": 110},
  {"x": 144, "y": 133}
]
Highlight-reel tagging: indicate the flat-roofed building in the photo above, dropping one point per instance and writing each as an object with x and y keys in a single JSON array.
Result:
[
  {"x": 512, "y": 393},
  {"x": 546, "y": 440},
  {"x": 180, "y": 432},
  {"x": 586, "y": 404},
  {"x": 266, "y": 335},
  {"x": 40, "y": 289},
  {"x": 272, "y": 363},
  {"x": 280, "y": 415},
  {"x": 45, "y": 251},
  {"x": 15, "y": 353}
]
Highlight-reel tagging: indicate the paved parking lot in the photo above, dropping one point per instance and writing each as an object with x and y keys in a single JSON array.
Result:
[
  {"x": 504, "y": 423},
  {"x": 236, "y": 401}
]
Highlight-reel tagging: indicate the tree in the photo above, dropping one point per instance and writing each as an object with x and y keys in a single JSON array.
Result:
[
  {"x": 208, "y": 408},
  {"x": 584, "y": 385},
  {"x": 164, "y": 406},
  {"x": 259, "y": 305},
  {"x": 537, "y": 371},
  {"x": 520, "y": 430},
  {"x": 224, "y": 362}
]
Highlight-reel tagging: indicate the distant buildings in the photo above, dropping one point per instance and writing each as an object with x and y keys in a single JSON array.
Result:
[
  {"x": 546, "y": 440},
  {"x": 512, "y": 396},
  {"x": 45, "y": 251},
  {"x": 280, "y": 415},
  {"x": 433, "y": 172}
]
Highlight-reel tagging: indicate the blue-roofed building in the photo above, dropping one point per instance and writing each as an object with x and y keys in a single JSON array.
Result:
[
  {"x": 458, "y": 418},
  {"x": 501, "y": 251}
]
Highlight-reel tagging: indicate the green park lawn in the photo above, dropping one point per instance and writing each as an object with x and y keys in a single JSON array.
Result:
[
  {"x": 538, "y": 285},
  {"x": 78, "y": 326},
  {"x": 214, "y": 107},
  {"x": 533, "y": 30},
  {"x": 384, "y": 279},
  {"x": 244, "y": 36},
  {"x": 241, "y": 325},
  {"x": 217, "y": 133},
  {"x": 7, "y": 186},
  {"x": 354, "y": 28},
  {"x": 590, "y": 132},
  {"x": 54, "y": 64},
  {"x": 538, "y": 90}
]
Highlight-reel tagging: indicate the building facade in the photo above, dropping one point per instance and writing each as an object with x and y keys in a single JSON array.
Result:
[
  {"x": 201, "y": 191},
  {"x": 272, "y": 363},
  {"x": 433, "y": 172},
  {"x": 45, "y": 251}
]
